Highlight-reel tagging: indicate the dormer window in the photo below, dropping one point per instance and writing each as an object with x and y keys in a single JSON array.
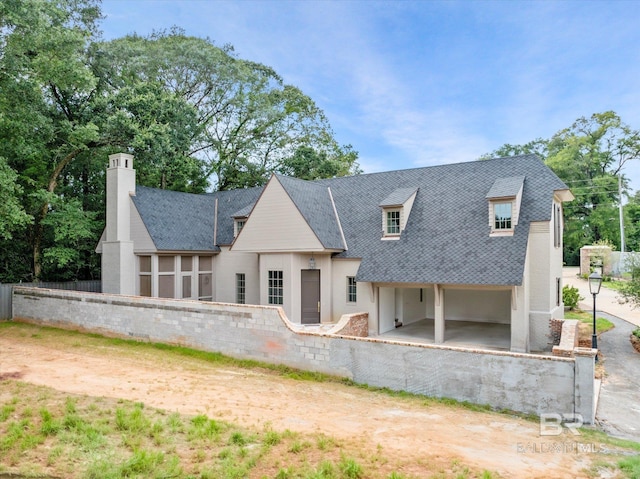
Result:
[
  {"x": 504, "y": 198},
  {"x": 502, "y": 213},
  {"x": 393, "y": 222},
  {"x": 238, "y": 225},
  {"x": 396, "y": 208}
]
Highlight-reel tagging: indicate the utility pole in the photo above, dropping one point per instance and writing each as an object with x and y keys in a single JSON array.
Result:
[{"x": 621, "y": 215}]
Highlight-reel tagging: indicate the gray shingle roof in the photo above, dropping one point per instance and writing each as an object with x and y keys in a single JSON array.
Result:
[
  {"x": 398, "y": 197},
  {"x": 184, "y": 222},
  {"x": 314, "y": 203},
  {"x": 506, "y": 187},
  {"x": 446, "y": 239}
]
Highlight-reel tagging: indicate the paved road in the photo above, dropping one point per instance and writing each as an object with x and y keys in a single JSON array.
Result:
[
  {"x": 619, "y": 403},
  {"x": 618, "y": 411}
]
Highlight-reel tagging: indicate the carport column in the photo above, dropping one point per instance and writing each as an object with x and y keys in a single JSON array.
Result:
[
  {"x": 439, "y": 313},
  {"x": 519, "y": 321},
  {"x": 584, "y": 385}
]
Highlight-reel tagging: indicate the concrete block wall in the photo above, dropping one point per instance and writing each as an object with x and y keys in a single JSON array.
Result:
[{"x": 521, "y": 382}]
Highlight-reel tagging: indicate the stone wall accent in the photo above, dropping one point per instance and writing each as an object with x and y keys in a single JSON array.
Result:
[
  {"x": 555, "y": 325},
  {"x": 505, "y": 380},
  {"x": 356, "y": 324},
  {"x": 568, "y": 340}
]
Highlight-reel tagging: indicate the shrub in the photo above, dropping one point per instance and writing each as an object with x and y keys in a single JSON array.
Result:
[{"x": 571, "y": 296}]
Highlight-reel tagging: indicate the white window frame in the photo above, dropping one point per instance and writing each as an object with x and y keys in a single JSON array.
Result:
[
  {"x": 388, "y": 221},
  {"x": 241, "y": 288},
  {"x": 238, "y": 224},
  {"x": 352, "y": 290},
  {"x": 175, "y": 272},
  {"x": 148, "y": 274},
  {"x": 204, "y": 272},
  {"x": 494, "y": 221},
  {"x": 275, "y": 291}
]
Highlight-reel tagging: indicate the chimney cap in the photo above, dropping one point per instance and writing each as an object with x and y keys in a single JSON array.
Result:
[{"x": 121, "y": 160}]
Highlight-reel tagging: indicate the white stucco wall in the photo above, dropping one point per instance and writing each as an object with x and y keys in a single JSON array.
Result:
[
  {"x": 545, "y": 267},
  {"x": 225, "y": 266},
  {"x": 291, "y": 264},
  {"x": 341, "y": 269},
  {"x": 276, "y": 225},
  {"x": 477, "y": 305}
]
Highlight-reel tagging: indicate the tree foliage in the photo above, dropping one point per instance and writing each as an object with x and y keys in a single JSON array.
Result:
[
  {"x": 249, "y": 121},
  {"x": 194, "y": 115},
  {"x": 588, "y": 156}
]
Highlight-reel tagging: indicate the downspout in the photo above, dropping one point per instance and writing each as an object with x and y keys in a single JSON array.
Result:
[{"x": 215, "y": 224}]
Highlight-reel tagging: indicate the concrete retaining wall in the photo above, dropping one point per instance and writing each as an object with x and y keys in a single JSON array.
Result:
[{"x": 521, "y": 382}]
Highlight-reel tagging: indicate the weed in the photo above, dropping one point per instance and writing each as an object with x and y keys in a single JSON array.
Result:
[
  {"x": 350, "y": 468},
  {"x": 272, "y": 438},
  {"x": 6, "y": 411},
  {"x": 324, "y": 442},
  {"x": 141, "y": 462},
  {"x": 134, "y": 421},
  {"x": 325, "y": 470},
  {"x": 49, "y": 426},
  {"x": 238, "y": 439},
  {"x": 298, "y": 446},
  {"x": 174, "y": 421},
  {"x": 285, "y": 473},
  {"x": 54, "y": 455}
]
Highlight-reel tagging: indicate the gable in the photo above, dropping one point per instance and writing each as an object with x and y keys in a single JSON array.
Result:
[{"x": 276, "y": 225}]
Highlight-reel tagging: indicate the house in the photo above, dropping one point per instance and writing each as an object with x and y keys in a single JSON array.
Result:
[{"x": 457, "y": 244}]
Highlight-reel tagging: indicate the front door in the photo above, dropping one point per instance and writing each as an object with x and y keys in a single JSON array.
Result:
[{"x": 310, "y": 291}]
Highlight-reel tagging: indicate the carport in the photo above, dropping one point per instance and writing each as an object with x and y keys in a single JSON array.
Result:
[{"x": 477, "y": 317}]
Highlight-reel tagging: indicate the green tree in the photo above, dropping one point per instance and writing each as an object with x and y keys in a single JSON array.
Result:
[
  {"x": 249, "y": 121},
  {"x": 12, "y": 215},
  {"x": 309, "y": 164},
  {"x": 60, "y": 118}
]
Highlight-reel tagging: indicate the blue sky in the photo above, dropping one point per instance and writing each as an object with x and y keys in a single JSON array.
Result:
[{"x": 418, "y": 83}]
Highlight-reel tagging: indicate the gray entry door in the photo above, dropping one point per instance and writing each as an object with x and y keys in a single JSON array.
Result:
[{"x": 310, "y": 291}]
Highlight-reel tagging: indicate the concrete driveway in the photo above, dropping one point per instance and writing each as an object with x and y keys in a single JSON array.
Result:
[{"x": 618, "y": 410}]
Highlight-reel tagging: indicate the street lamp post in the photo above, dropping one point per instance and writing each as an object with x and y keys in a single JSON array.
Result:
[{"x": 595, "y": 281}]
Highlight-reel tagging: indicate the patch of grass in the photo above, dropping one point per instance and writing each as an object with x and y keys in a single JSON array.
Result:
[
  {"x": 602, "y": 324},
  {"x": 5, "y": 411},
  {"x": 630, "y": 466},
  {"x": 272, "y": 438},
  {"x": 350, "y": 468},
  {"x": 598, "y": 437},
  {"x": 615, "y": 285},
  {"x": 133, "y": 421}
]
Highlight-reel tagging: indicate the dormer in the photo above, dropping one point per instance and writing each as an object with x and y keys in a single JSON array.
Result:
[
  {"x": 395, "y": 212},
  {"x": 504, "y": 198},
  {"x": 240, "y": 218}
]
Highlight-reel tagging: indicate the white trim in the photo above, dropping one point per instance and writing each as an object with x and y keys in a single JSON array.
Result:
[{"x": 335, "y": 212}]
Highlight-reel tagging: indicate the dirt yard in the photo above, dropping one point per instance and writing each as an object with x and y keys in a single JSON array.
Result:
[{"x": 410, "y": 430}]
